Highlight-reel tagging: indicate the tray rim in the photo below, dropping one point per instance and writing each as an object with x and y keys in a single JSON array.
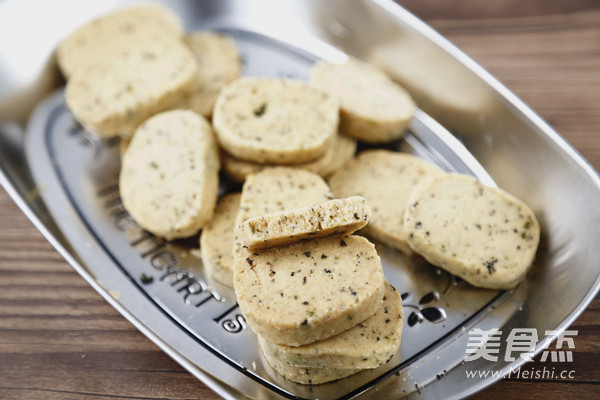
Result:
[{"x": 514, "y": 101}]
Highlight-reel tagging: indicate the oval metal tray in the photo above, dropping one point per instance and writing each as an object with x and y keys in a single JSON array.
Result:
[{"x": 161, "y": 288}]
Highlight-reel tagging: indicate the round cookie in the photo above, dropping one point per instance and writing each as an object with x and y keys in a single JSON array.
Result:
[
  {"x": 274, "y": 120},
  {"x": 309, "y": 290},
  {"x": 123, "y": 145},
  {"x": 342, "y": 149},
  {"x": 481, "y": 234},
  {"x": 386, "y": 180},
  {"x": 373, "y": 108},
  {"x": 219, "y": 63},
  {"x": 112, "y": 35},
  {"x": 113, "y": 96},
  {"x": 169, "y": 174},
  {"x": 367, "y": 345},
  {"x": 216, "y": 240},
  {"x": 307, "y": 376}
]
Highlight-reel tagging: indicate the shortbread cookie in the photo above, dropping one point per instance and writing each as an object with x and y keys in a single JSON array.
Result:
[
  {"x": 274, "y": 120},
  {"x": 219, "y": 63},
  {"x": 277, "y": 189},
  {"x": 169, "y": 174},
  {"x": 123, "y": 145},
  {"x": 367, "y": 345},
  {"x": 334, "y": 217},
  {"x": 307, "y": 376},
  {"x": 386, "y": 180},
  {"x": 481, "y": 234},
  {"x": 342, "y": 150},
  {"x": 310, "y": 290},
  {"x": 112, "y": 35},
  {"x": 216, "y": 240},
  {"x": 373, "y": 108},
  {"x": 113, "y": 96}
]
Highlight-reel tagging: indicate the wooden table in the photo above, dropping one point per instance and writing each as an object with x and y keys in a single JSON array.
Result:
[{"x": 60, "y": 340}]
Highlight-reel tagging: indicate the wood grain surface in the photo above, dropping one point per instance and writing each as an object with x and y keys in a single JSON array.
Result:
[{"x": 60, "y": 340}]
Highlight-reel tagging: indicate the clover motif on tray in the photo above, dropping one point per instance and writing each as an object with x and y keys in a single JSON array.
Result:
[{"x": 425, "y": 309}]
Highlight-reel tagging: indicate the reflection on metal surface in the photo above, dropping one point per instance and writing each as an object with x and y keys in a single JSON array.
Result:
[{"x": 27, "y": 40}]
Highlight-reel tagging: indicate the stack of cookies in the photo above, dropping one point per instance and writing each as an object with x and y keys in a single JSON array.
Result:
[{"x": 314, "y": 294}]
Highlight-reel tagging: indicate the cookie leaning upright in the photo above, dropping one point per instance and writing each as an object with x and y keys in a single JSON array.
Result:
[
  {"x": 216, "y": 241},
  {"x": 219, "y": 63},
  {"x": 169, "y": 174},
  {"x": 481, "y": 234},
  {"x": 373, "y": 107},
  {"x": 385, "y": 179},
  {"x": 112, "y": 35},
  {"x": 274, "y": 120},
  {"x": 113, "y": 96}
]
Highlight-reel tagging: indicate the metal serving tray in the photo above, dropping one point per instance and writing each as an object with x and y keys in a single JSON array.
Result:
[{"x": 65, "y": 180}]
